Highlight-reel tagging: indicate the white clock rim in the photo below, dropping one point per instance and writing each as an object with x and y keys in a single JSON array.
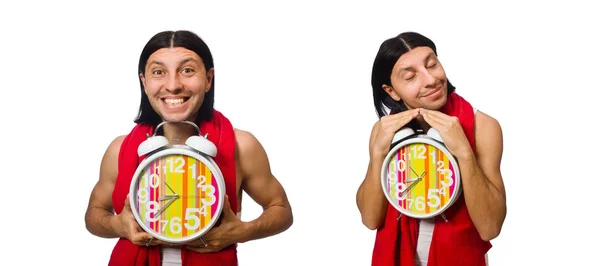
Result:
[
  {"x": 178, "y": 150},
  {"x": 426, "y": 139}
]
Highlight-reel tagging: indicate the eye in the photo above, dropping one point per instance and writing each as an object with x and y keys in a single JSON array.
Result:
[
  {"x": 431, "y": 64},
  {"x": 409, "y": 76},
  {"x": 157, "y": 72},
  {"x": 187, "y": 70}
]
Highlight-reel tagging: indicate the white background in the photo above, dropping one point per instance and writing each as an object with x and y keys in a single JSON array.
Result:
[{"x": 297, "y": 75}]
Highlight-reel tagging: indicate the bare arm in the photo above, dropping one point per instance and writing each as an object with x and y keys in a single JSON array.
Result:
[
  {"x": 482, "y": 181},
  {"x": 100, "y": 215},
  {"x": 260, "y": 184},
  {"x": 370, "y": 199},
  {"x": 100, "y": 218}
]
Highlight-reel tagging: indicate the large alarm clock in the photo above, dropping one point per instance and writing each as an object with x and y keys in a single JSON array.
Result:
[
  {"x": 419, "y": 176},
  {"x": 177, "y": 191}
]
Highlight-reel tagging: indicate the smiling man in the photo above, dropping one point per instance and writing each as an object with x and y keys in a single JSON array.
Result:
[{"x": 176, "y": 74}]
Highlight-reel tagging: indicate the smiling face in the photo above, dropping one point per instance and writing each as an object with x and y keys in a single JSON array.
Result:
[
  {"x": 176, "y": 82},
  {"x": 419, "y": 80}
]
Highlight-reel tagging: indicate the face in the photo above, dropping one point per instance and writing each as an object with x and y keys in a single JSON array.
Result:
[
  {"x": 419, "y": 80},
  {"x": 176, "y": 81}
]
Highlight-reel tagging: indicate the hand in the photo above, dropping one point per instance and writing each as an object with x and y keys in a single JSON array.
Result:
[
  {"x": 450, "y": 130},
  {"x": 388, "y": 126},
  {"x": 128, "y": 227},
  {"x": 230, "y": 231}
]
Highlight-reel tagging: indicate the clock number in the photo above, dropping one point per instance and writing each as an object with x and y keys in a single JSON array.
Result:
[
  {"x": 201, "y": 180},
  {"x": 400, "y": 188},
  {"x": 421, "y": 151},
  {"x": 432, "y": 195},
  {"x": 179, "y": 162},
  {"x": 210, "y": 193},
  {"x": 448, "y": 181},
  {"x": 143, "y": 195},
  {"x": 179, "y": 167},
  {"x": 419, "y": 203},
  {"x": 443, "y": 190},
  {"x": 193, "y": 169},
  {"x": 152, "y": 207},
  {"x": 175, "y": 222},
  {"x": 401, "y": 165},
  {"x": 154, "y": 180},
  {"x": 189, "y": 216},
  {"x": 175, "y": 225},
  {"x": 392, "y": 178},
  {"x": 163, "y": 225}
]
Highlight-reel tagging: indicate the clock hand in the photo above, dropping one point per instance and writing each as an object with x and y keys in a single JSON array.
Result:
[
  {"x": 168, "y": 197},
  {"x": 169, "y": 187},
  {"x": 413, "y": 184},
  {"x": 164, "y": 207},
  {"x": 413, "y": 170},
  {"x": 411, "y": 180}
]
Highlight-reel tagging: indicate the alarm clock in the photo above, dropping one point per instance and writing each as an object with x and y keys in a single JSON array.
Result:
[
  {"x": 177, "y": 191},
  {"x": 419, "y": 176}
]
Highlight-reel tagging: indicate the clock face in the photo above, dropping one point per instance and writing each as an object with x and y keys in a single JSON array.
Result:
[
  {"x": 177, "y": 197},
  {"x": 420, "y": 179}
]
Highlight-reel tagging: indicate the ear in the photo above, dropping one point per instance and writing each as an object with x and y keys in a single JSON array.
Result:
[
  {"x": 209, "y": 79},
  {"x": 390, "y": 90},
  {"x": 143, "y": 81}
]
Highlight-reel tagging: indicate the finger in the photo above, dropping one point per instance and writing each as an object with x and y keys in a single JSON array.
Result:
[
  {"x": 433, "y": 121},
  {"x": 439, "y": 116},
  {"x": 401, "y": 119},
  {"x": 412, "y": 113},
  {"x": 156, "y": 242},
  {"x": 141, "y": 238},
  {"x": 200, "y": 249}
]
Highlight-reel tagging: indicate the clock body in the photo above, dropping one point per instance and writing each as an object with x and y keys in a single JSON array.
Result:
[
  {"x": 419, "y": 176},
  {"x": 177, "y": 194}
]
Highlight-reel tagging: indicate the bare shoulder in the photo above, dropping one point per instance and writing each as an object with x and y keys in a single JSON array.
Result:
[
  {"x": 488, "y": 142},
  {"x": 109, "y": 167},
  {"x": 486, "y": 124},
  {"x": 249, "y": 150},
  {"x": 115, "y": 146},
  {"x": 246, "y": 142},
  {"x": 374, "y": 132}
]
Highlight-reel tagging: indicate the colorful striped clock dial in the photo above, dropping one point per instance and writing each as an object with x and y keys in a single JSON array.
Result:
[
  {"x": 420, "y": 179},
  {"x": 177, "y": 196}
]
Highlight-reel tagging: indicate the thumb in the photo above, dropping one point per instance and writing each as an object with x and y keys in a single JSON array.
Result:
[
  {"x": 127, "y": 204},
  {"x": 227, "y": 211}
]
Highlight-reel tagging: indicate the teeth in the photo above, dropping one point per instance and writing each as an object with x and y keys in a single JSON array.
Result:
[{"x": 174, "y": 101}]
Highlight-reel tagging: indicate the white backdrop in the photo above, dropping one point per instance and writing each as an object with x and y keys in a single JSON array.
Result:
[{"x": 297, "y": 75}]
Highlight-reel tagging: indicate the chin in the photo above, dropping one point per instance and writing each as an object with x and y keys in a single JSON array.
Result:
[{"x": 176, "y": 118}]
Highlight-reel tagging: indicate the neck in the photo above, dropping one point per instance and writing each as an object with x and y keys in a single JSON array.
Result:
[{"x": 177, "y": 133}]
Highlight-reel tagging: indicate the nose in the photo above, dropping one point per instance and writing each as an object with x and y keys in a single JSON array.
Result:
[
  {"x": 173, "y": 83},
  {"x": 428, "y": 79}
]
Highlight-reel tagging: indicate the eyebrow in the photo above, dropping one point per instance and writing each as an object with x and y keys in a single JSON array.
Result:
[{"x": 163, "y": 64}]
